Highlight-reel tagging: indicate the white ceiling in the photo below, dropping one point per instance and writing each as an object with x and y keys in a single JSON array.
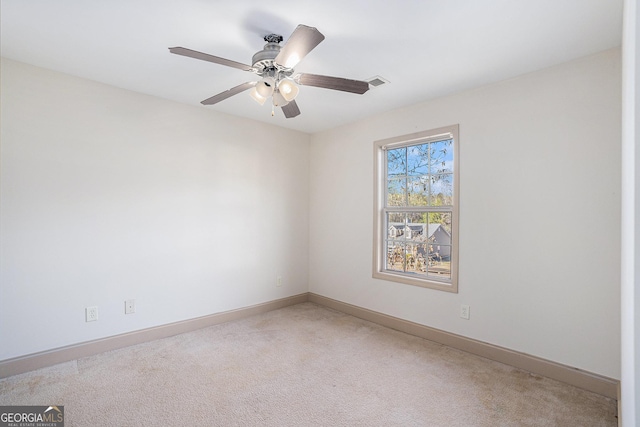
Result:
[{"x": 425, "y": 48}]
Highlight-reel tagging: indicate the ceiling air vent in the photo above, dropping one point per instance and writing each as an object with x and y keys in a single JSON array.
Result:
[{"x": 377, "y": 81}]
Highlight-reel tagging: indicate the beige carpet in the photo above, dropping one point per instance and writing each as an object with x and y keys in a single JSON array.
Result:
[{"x": 303, "y": 365}]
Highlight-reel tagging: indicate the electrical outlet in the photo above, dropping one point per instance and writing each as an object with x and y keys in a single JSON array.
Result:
[
  {"x": 464, "y": 311},
  {"x": 279, "y": 281},
  {"x": 91, "y": 314},
  {"x": 130, "y": 306}
]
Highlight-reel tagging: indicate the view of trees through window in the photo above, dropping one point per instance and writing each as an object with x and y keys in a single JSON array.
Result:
[{"x": 418, "y": 206}]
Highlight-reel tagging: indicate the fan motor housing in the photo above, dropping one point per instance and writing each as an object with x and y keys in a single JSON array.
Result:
[{"x": 264, "y": 58}]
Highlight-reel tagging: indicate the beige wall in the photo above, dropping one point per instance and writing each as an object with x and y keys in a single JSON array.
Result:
[
  {"x": 539, "y": 169},
  {"x": 110, "y": 195}
]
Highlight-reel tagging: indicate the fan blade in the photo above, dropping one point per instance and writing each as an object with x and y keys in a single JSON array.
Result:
[
  {"x": 206, "y": 57},
  {"x": 303, "y": 40},
  {"x": 291, "y": 109},
  {"x": 335, "y": 83},
  {"x": 228, "y": 93}
]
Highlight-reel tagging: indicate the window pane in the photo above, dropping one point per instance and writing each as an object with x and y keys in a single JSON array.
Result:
[
  {"x": 396, "y": 192},
  {"x": 395, "y": 225},
  {"x": 396, "y": 162},
  {"x": 441, "y": 157},
  {"x": 439, "y": 250},
  {"x": 418, "y": 190},
  {"x": 416, "y": 229},
  {"x": 395, "y": 256},
  {"x": 442, "y": 190},
  {"x": 421, "y": 254},
  {"x": 418, "y": 159},
  {"x": 440, "y": 228},
  {"x": 439, "y": 261},
  {"x": 396, "y": 217},
  {"x": 417, "y": 258}
]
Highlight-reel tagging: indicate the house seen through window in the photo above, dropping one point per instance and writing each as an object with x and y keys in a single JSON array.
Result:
[{"x": 417, "y": 210}]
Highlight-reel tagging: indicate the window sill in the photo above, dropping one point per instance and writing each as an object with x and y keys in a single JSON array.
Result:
[{"x": 408, "y": 280}]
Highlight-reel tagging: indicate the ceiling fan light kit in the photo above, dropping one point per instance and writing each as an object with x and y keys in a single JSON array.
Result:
[
  {"x": 257, "y": 97},
  {"x": 274, "y": 64},
  {"x": 278, "y": 99},
  {"x": 288, "y": 89},
  {"x": 265, "y": 87}
]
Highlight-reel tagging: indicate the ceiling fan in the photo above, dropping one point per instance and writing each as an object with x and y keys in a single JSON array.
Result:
[{"x": 274, "y": 64}]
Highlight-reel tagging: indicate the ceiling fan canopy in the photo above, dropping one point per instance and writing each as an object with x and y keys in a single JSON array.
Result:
[{"x": 275, "y": 65}]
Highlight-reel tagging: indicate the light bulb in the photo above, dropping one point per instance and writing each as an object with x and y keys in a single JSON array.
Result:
[
  {"x": 257, "y": 97},
  {"x": 278, "y": 99},
  {"x": 265, "y": 87},
  {"x": 288, "y": 90}
]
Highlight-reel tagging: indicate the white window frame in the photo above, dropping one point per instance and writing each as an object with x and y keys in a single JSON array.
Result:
[{"x": 380, "y": 208}]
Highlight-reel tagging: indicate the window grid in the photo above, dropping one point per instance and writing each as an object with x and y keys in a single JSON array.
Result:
[{"x": 416, "y": 210}]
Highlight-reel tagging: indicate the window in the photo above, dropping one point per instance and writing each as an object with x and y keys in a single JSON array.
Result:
[{"x": 416, "y": 209}]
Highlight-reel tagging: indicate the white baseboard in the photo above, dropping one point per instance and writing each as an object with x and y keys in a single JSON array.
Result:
[
  {"x": 586, "y": 380},
  {"x": 43, "y": 359}
]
